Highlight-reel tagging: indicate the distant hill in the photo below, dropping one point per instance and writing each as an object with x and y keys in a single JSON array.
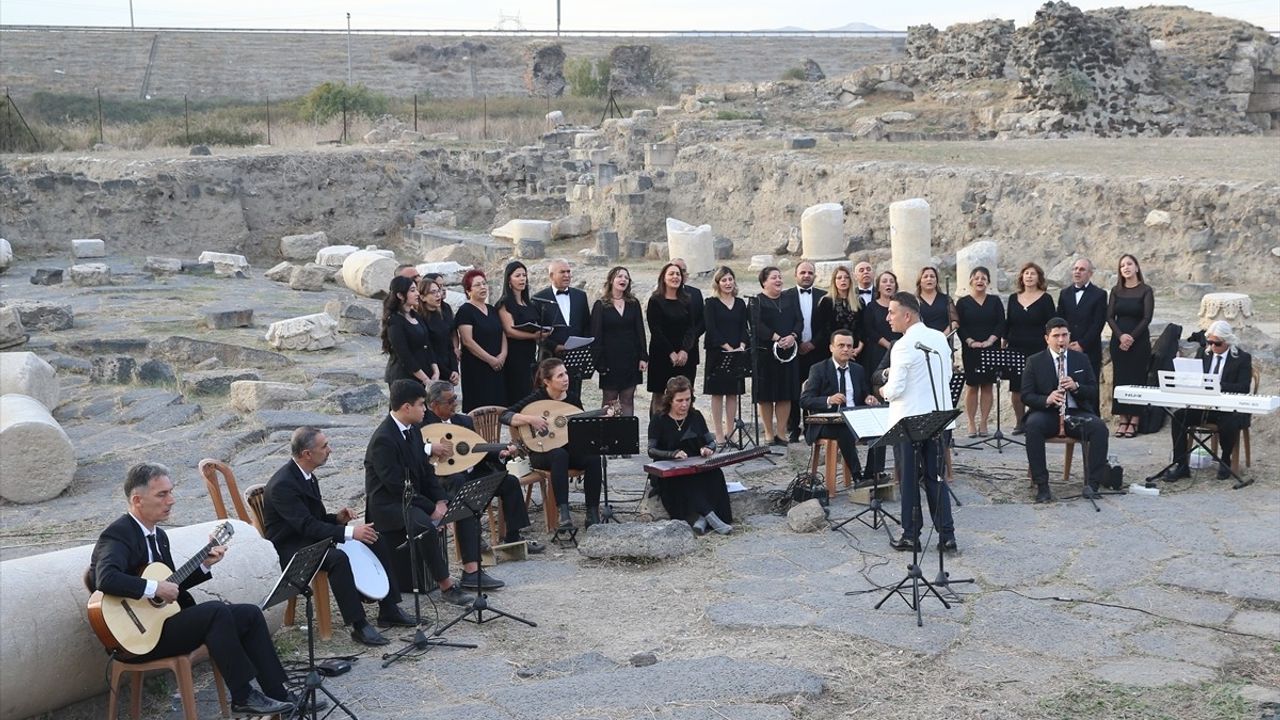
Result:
[{"x": 851, "y": 27}]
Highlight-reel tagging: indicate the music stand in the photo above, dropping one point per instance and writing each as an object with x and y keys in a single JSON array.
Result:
[
  {"x": 296, "y": 580},
  {"x": 918, "y": 430},
  {"x": 1006, "y": 365},
  {"x": 853, "y": 419},
  {"x": 470, "y": 500},
  {"x": 604, "y": 436},
  {"x": 580, "y": 363},
  {"x": 736, "y": 365}
]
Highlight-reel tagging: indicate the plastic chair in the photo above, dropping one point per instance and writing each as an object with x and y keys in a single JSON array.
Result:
[
  {"x": 255, "y": 497},
  {"x": 180, "y": 666}
]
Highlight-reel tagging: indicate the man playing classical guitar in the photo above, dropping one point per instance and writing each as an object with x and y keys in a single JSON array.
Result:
[{"x": 235, "y": 633}]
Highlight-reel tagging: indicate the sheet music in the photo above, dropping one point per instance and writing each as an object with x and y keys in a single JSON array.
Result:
[
  {"x": 734, "y": 486},
  {"x": 867, "y": 422},
  {"x": 1187, "y": 365}
]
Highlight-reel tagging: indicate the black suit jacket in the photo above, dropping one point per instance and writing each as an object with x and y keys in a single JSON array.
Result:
[
  {"x": 579, "y": 318},
  {"x": 386, "y": 460},
  {"x": 699, "y": 321},
  {"x": 822, "y": 384},
  {"x": 293, "y": 513},
  {"x": 407, "y": 357},
  {"x": 1040, "y": 378},
  {"x": 1085, "y": 319},
  {"x": 121, "y": 553}
]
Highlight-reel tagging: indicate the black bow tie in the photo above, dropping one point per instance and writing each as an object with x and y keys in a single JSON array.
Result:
[
  {"x": 806, "y": 291},
  {"x": 562, "y": 292}
]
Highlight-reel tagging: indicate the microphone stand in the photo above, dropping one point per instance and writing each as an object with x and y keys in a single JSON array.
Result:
[
  {"x": 420, "y": 641},
  {"x": 933, "y": 388}
]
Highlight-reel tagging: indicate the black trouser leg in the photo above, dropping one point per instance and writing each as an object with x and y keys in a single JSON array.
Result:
[
  {"x": 430, "y": 550},
  {"x": 343, "y": 584},
  {"x": 555, "y": 462},
  {"x": 238, "y": 640},
  {"x": 849, "y": 451},
  {"x": 1093, "y": 432},
  {"x": 383, "y": 552},
  {"x": 1039, "y": 425},
  {"x": 514, "y": 513},
  {"x": 469, "y": 538},
  {"x": 591, "y": 477}
]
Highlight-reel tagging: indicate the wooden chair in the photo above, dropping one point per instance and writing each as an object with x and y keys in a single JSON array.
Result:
[
  {"x": 1069, "y": 450},
  {"x": 211, "y": 469},
  {"x": 180, "y": 666},
  {"x": 255, "y": 496},
  {"x": 830, "y": 449},
  {"x": 1211, "y": 429},
  {"x": 488, "y": 426}
]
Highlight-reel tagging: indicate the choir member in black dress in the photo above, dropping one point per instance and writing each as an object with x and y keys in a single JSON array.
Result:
[
  {"x": 552, "y": 383},
  {"x": 619, "y": 349},
  {"x": 484, "y": 346},
  {"x": 876, "y": 333},
  {"x": 672, "y": 332},
  {"x": 404, "y": 336},
  {"x": 725, "y": 317},
  {"x": 936, "y": 309},
  {"x": 696, "y": 301},
  {"x": 1129, "y": 313},
  {"x": 438, "y": 316},
  {"x": 516, "y": 309},
  {"x": 777, "y": 322},
  {"x": 1025, "y": 317},
  {"x": 676, "y": 432},
  {"x": 981, "y": 316},
  {"x": 839, "y": 309}
]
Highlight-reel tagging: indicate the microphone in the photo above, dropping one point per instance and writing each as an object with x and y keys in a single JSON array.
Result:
[
  {"x": 925, "y": 348},
  {"x": 543, "y": 300}
]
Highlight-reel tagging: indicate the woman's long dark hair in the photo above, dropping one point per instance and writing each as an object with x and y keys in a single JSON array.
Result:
[
  {"x": 660, "y": 291},
  {"x": 392, "y": 305},
  {"x": 675, "y": 386},
  {"x": 508, "y": 298}
]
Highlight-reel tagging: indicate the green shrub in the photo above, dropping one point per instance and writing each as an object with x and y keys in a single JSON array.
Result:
[
  {"x": 794, "y": 74},
  {"x": 588, "y": 78},
  {"x": 329, "y": 99},
  {"x": 217, "y": 136},
  {"x": 736, "y": 115}
]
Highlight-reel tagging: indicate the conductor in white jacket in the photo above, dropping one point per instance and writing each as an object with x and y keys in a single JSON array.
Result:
[{"x": 910, "y": 391}]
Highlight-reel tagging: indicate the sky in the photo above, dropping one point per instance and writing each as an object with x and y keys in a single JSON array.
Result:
[{"x": 575, "y": 14}]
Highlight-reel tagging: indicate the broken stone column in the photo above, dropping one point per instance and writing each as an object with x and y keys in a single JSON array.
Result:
[
  {"x": 983, "y": 253},
  {"x": 88, "y": 248},
  {"x": 822, "y": 232},
  {"x": 368, "y": 273},
  {"x": 253, "y": 395},
  {"x": 607, "y": 244},
  {"x": 90, "y": 275},
  {"x": 47, "y": 643},
  {"x": 334, "y": 255},
  {"x": 517, "y": 230},
  {"x": 39, "y": 461},
  {"x": 308, "y": 332},
  {"x": 697, "y": 245},
  {"x": 824, "y": 270},
  {"x": 303, "y": 247},
  {"x": 1235, "y": 308},
  {"x": 6, "y": 255},
  {"x": 310, "y": 277},
  {"x": 909, "y": 239},
  {"x": 12, "y": 331},
  {"x": 25, "y": 373},
  {"x": 225, "y": 264}
]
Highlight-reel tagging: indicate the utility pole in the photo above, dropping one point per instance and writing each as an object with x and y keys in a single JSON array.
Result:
[
  {"x": 131, "y": 15},
  {"x": 348, "y": 48},
  {"x": 557, "y": 18}
]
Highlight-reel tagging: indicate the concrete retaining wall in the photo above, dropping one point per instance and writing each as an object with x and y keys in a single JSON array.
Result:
[{"x": 50, "y": 657}]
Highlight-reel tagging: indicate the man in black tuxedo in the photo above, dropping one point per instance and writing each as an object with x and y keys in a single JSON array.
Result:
[
  {"x": 396, "y": 454},
  {"x": 834, "y": 386},
  {"x": 806, "y": 297},
  {"x": 442, "y": 402},
  {"x": 1052, "y": 377},
  {"x": 864, "y": 281},
  {"x": 236, "y": 633},
  {"x": 567, "y": 311},
  {"x": 1084, "y": 306},
  {"x": 1234, "y": 368},
  {"x": 294, "y": 517}
]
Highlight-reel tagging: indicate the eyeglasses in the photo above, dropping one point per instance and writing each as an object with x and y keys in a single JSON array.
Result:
[{"x": 1217, "y": 343}]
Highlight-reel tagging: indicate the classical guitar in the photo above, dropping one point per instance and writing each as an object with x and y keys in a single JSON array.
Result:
[
  {"x": 132, "y": 627},
  {"x": 557, "y": 415},
  {"x": 469, "y": 447}
]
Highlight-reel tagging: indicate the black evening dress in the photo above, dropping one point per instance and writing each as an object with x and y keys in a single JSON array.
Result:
[
  {"x": 725, "y": 326},
  {"x": 410, "y": 349},
  {"x": 690, "y": 496},
  {"x": 937, "y": 314},
  {"x": 1129, "y": 311},
  {"x": 522, "y": 354},
  {"x": 775, "y": 381},
  {"x": 619, "y": 344},
  {"x": 671, "y": 328},
  {"x": 875, "y": 325},
  {"x": 1024, "y": 328},
  {"x": 978, "y": 321},
  {"x": 440, "y": 334},
  {"x": 481, "y": 384}
]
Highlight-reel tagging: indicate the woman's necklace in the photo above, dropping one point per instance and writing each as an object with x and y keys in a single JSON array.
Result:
[{"x": 680, "y": 423}]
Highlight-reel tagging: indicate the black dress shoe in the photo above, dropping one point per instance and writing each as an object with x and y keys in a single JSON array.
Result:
[
  {"x": 394, "y": 617},
  {"x": 794, "y": 437},
  {"x": 949, "y": 545},
  {"x": 1090, "y": 491},
  {"x": 778, "y": 442},
  {"x": 481, "y": 580},
  {"x": 366, "y": 635},
  {"x": 1175, "y": 473},
  {"x": 1018, "y": 429},
  {"x": 1043, "y": 495},
  {"x": 320, "y": 704},
  {"x": 258, "y": 704},
  {"x": 905, "y": 544},
  {"x": 1224, "y": 471},
  {"x": 533, "y": 547}
]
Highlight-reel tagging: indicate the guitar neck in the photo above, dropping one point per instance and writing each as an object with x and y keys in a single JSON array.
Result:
[{"x": 190, "y": 566}]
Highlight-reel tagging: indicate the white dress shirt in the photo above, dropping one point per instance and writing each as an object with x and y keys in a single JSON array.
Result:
[
  {"x": 907, "y": 388},
  {"x": 849, "y": 399},
  {"x": 562, "y": 299}
]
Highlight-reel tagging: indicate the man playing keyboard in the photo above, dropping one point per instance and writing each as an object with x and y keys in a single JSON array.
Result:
[{"x": 1234, "y": 369}]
